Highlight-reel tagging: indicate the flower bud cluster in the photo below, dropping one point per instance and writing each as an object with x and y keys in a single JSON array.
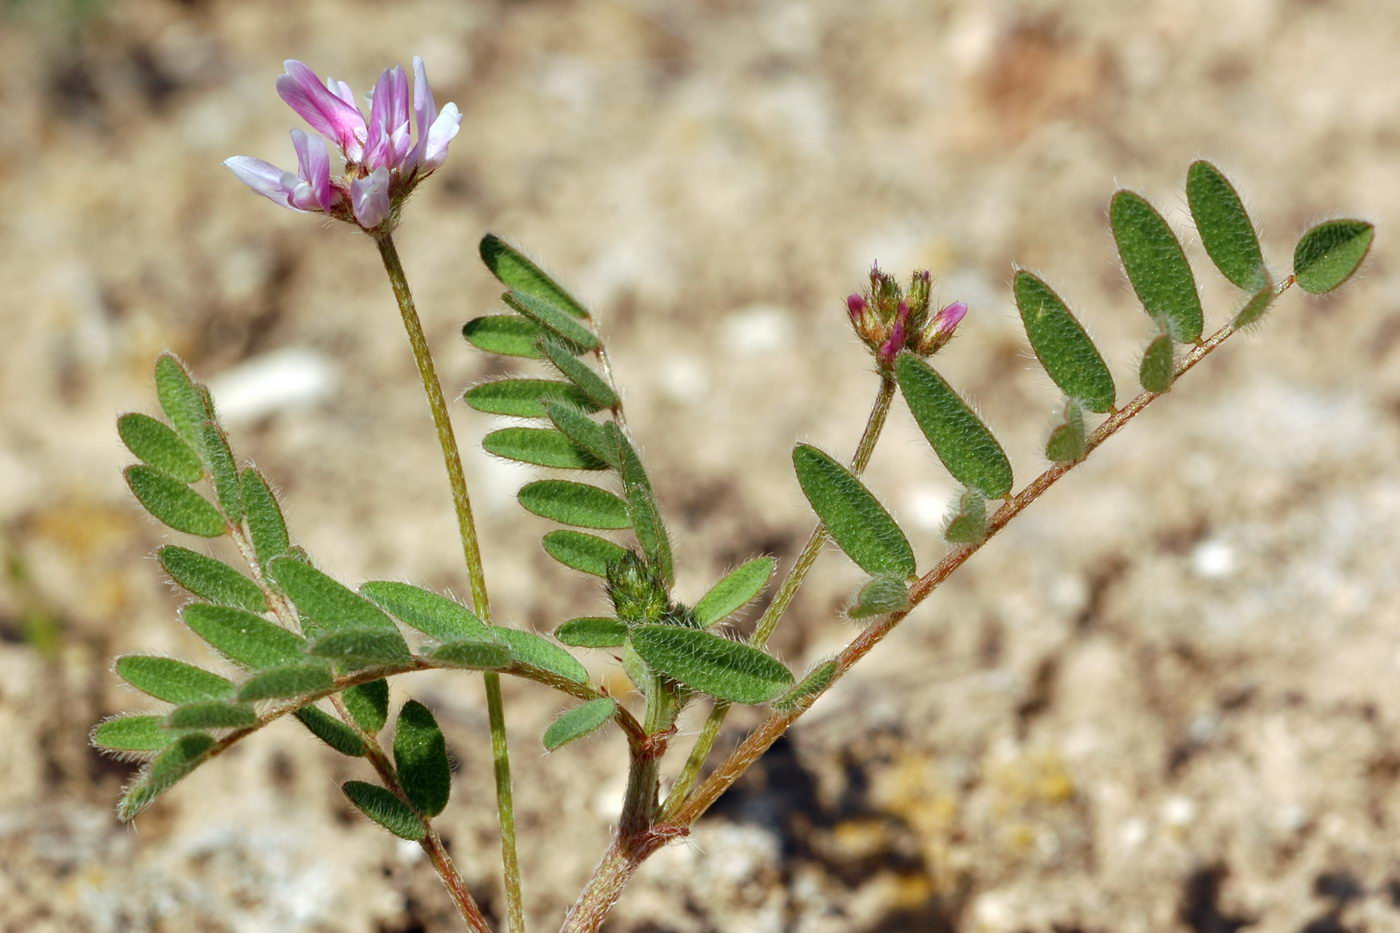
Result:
[{"x": 888, "y": 319}]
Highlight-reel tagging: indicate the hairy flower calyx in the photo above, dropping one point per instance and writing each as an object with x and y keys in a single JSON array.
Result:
[{"x": 888, "y": 319}]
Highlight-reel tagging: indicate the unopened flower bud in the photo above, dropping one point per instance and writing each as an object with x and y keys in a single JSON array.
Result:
[
  {"x": 636, "y": 589},
  {"x": 940, "y": 329},
  {"x": 858, "y": 308},
  {"x": 899, "y": 333}
]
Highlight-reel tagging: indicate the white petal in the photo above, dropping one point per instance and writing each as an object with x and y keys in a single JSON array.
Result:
[
  {"x": 441, "y": 133},
  {"x": 369, "y": 198},
  {"x": 265, "y": 178}
]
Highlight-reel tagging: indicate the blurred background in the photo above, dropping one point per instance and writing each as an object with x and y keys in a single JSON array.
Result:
[{"x": 1164, "y": 699}]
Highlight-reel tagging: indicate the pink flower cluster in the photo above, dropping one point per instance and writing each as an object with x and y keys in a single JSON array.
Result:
[
  {"x": 889, "y": 320},
  {"x": 382, "y": 160}
]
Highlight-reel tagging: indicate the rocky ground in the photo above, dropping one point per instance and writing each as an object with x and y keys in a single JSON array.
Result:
[{"x": 1163, "y": 699}]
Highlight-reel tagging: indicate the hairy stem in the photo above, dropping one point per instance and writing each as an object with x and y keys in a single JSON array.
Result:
[
  {"x": 471, "y": 550},
  {"x": 787, "y": 591}
]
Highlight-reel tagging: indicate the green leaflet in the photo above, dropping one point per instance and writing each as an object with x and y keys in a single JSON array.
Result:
[
  {"x": 524, "y": 398},
  {"x": 473, "y": 654},
  {"x": 592, "y": 632},
  {"x": 211, "y": 716},
  {"x": 433, "y": 615},
  {"x": 969, "y": 525},
  {"x": 506, "y": 335},
  {"x": 172, "y": 681},
  {"x": 266, "y": 526},
  {"x": 710, "y": 664},
  {"x": 368, "y": 704},
  {"x": 295, "y": 680},
  {"x": 550, "y": 317},
  {"x": 1224, "y": 226},
  {"x": 1156, "y": 266},
  {"x": 578, "y": 722},
  {"x": 810, "y": 686},
  {"x": 180, "y": 399},
  {"x": 587, "y": 434},
  {"x": 592, "y": 385},
  {"x": 855, "y": 519},
  {"x": 582, "y": 552},
  {"x": 968, "y": 450},
  {"x": 1068, "y": 441},
  {"x": 541, "y": 447},
  {"x": 133, "y": 734},
  {"x": 211, "y": 579},
  {"x": 1254, "y": 308},
  {"x": 385, "y": 809},
  {"x": 532, "y": 650},
  {"x": 734, "y": 590},
  {"x": 174, "y": 503},
  {"x": 325, "y": 604},
  {"x": 159, "y": 446},
  {"x": 642, "y": 507},
  {"x": 227, "y": 487},
  {"x": 245, "y": 638},
  {"x": 516, "y": 272},
  {"x": 1155, "y": 372},
  {"x": 179, "y": 758},
  {"x": 332, "y": 731},
  {"x": 880, "y": 596},
  {"x": 575, "y": 504},
  {"x": 1061, "y": 344},
  {"x": 420, "y": 755},
  {"x": 363, "y": 647},
  {"x": 1328, "y": 254}
]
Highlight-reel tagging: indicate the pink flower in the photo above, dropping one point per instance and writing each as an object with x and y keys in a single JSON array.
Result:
[
  {"x": 383, "y": 162},
  {"x": 940, "y": 328}
]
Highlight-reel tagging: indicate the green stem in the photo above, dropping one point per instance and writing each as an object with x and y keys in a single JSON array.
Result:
[
  {"x": 787, "y": 591},
  {"x": 471, "y": 550}
]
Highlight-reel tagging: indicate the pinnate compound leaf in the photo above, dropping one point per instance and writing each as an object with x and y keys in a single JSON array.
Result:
[
  {"x": 384, "y": 808},
  {"x": 586, "y": 433},
  {"x": 576, "y": 504},
  {"x": 1255, "y": 308},
  {"x": 854, "y": 517},
  {"x": 172, "y": 681},
  {"x": 368, "y": 704},
  {"x": 212, "y": 716},
  {"x": 1061, "y": 345},
  {"x": 814, "y": 683},
  {"x": 244, "y": 638},
  {"x": 582, "y": 552},
  {"x": 710, "y": 664},
  {"x": 474, "y": 654},
  {"x": 266, "y": 526},
  {"x": 578, "y": 722},
  {"x": 433, "y": 615},
  {"x": 1155, "y": 372},
  {"x": 530, "y": 649},
  {"x": 1156, "y": 266},
  {"x": 174, "y": 503},
  {"x": 180, "y": 399},
  {"x": 1328, "y": 254},
  {"x": 541, "y": 447},
  {"x": 734, "y": 590},
  {"x": 592, "y": 632},
  {"x": 420, "y": 755},
  {"x": 363, "y": 647},
  {"x": 593, "y": 386},
  {"x": 505, "y": 335},
  {"x": 524, "y": 398},
  {"x": 133, "y": 734},
  {"x": 880, "y": 596},
  {"x": 968, "y": 450},
  {"x": 550, "y": 317},
  {"x": 1224, "y": 225},
  {"x": 326, "y": 604},
  {"x": 211, "y": 579},
  {"x": 158, "y": 445},
  {"x": 295, "y": 680},
  {"x": 228, "y": 489},
  {"x": 332, "y": 731},
  {"x": 179, "y": 758},
  {"x": 518, "y": 273},
  {"x": 642, "y": 507}
]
